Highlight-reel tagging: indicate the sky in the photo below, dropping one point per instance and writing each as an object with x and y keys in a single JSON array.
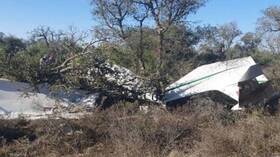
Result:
[{"x": 19, "y": 17}]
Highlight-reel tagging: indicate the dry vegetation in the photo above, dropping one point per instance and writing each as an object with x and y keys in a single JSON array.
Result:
[
  {"x": 204, "y": 130},
  {"x": 197, "y": 129}
]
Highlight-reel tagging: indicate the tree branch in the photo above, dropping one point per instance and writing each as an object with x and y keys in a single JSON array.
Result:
[{"x": 84, "y": 52}]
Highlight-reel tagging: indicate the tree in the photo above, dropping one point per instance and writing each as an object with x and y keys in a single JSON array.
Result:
[
  {"x": 123, "y": 16},
  {"x": 140, "y": 14},
  {"x": 166, "y": 13},
  {"x": 12, "y": 45},
  {"x": 250, "y": 42},
  {"x": 117, "y": 15},
  {"x": 113, "y": 14},
  {"x": 48, "y": 56},
  {"x": 218, "y": 40},
  {"x": 269, "y": 28},
  {"x": 227, "y": 33},
  {"x": 271, "y": 43},
  {"x": 2, "y": 35},
  {"x": 270, "y": 22},
  {"x": 179, "y": 46}
]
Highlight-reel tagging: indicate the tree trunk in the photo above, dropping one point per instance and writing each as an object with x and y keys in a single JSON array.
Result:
[
  {"x": 141, "y": 55},
  {"x": 161, "y": 53}
]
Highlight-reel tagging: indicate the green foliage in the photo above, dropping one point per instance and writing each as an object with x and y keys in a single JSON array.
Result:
[
  {"x": 218, "y": 40},
  {"x": 263, "y": 58},
  {"x": 23, "y": 61},
  {"x": 120, "y": 55},
  {"x": 25, "y": 65},
  {"x": 9, "y": 47}
]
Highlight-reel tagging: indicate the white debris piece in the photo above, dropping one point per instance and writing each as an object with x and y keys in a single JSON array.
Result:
[
  {"x": 19, "y": 99},
  {"x": 220, "y": 76},
  {"x": 90, "y": 100}
]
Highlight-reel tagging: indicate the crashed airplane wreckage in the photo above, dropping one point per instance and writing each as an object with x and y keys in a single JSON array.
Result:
[{"x": 242, "y": 80}]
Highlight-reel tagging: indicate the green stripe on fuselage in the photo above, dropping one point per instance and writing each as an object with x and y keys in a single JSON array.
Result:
[{"x": 202, "y": 78}]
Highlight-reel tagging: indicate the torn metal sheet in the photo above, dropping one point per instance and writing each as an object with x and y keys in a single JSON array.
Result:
[
  {"x": 18, "y": 99},
  {"x": 220, "y": 76}
]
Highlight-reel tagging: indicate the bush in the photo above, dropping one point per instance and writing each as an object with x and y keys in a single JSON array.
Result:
[
  {"x": 123, "y": 130},
  {"x": 255, "y": 135}
]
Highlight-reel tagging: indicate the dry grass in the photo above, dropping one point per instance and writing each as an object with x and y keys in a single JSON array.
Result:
[
  {"x": 204, "y": 130},
  {"x": 254, "y": 135}
]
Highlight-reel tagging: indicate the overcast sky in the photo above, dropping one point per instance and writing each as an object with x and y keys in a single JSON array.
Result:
[{"x": 18, "y": 17}]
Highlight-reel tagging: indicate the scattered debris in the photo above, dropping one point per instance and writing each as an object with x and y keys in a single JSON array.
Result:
[{"x": 242, "y": 80}]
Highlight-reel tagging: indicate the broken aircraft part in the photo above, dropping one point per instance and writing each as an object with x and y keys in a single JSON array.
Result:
[
  {"x": 228, "y": 77},
  {"x": 19, "y": 99}
]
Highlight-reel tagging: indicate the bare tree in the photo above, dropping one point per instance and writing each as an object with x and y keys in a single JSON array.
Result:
[
  {"x": 269, "y": 29},
  {"x": 166, "y": 13},
  {"x": 45, "y": 34},
  {"x": 118, "y": 16},
  {"x": 227, "y": 33},
  {"x": 114, "y": 14},
  {"x": 218, "y": 39},
  {"x": 250, "y": 41},
  {"x": 140, "y": 14},
  {"x": 270, "y": 22},
  {"x": 271, "y": 42}
]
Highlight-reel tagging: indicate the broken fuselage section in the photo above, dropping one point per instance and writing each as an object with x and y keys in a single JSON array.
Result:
[{"x": 240, "y": 79}]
